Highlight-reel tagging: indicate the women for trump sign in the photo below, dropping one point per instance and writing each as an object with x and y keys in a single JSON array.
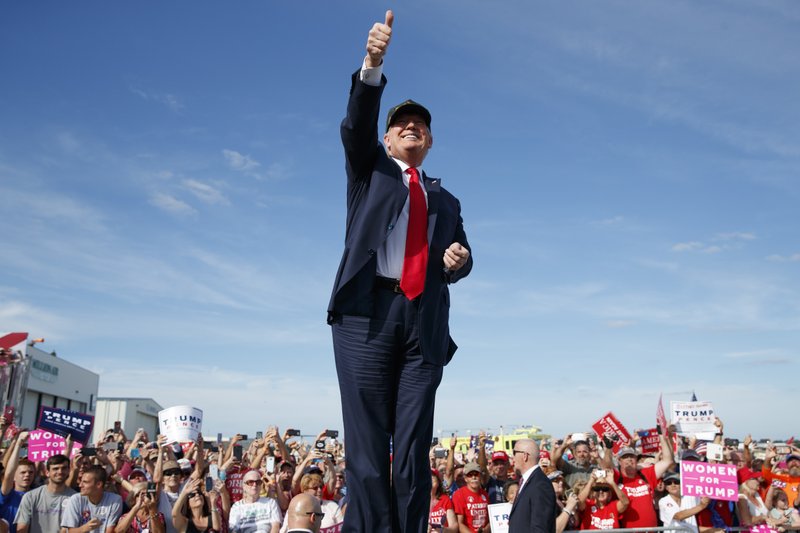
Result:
[{"x": 715, "y": 481}]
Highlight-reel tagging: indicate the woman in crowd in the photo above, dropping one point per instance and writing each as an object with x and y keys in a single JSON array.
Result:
[
  {"x": 312, "y": 484},
  {"x": 510, "y": 490},
  {"x": 195, "y": 510},
  {"x": 601, "y": 512},
  {"x": 751, "y": 508},
  {"x": 144, "y": 515},
  {"x": 781, "y": 514},
  {"x": 442, "y": 516},
  {"x": 566, "y": 504}
]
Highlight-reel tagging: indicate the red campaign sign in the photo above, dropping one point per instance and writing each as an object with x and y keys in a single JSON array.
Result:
[
  {"x": 661, "y": 417},
  {"x": 336, "y": 528},
  {"x": 610, "y": 425},
  {"x": 650, "y": 441}
]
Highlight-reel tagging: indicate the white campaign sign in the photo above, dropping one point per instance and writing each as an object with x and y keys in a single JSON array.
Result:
[
  {"x": 498, "y": 517},
  {"x": 691, "y": 418},
  {"x": 181, "y": 423}
]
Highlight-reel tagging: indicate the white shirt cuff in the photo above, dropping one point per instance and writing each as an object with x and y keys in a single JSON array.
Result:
[{"x": 371, "y": 76}]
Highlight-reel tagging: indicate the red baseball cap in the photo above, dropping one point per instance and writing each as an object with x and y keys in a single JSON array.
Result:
[{"x": 500, "y": 456}]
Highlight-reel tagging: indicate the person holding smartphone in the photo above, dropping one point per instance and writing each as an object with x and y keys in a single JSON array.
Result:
[{"x": 92, "y": 510}]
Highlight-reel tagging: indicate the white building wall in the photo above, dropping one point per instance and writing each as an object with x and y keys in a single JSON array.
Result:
[{"x": 134, "y": 413}]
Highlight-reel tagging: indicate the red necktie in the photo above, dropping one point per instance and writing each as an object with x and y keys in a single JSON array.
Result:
[{"x": 416, "y": 257}]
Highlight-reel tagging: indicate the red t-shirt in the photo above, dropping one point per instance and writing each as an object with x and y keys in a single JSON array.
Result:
[
  {"x": 233, "y": 482},
  {"x": 439, "y": 511},
  {"x": 704, "y": 517},
  {"x": 595, "y": 518},
  {"x": 640, "y": 489},
  {"x": 474, "y": 506}
]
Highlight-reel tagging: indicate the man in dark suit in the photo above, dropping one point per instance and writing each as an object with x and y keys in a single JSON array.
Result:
[
  {"x": 404, "y": 245},
  {"x": 534, "y": 508}
]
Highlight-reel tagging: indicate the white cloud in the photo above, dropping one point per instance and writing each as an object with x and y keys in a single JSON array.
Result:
[
  {"x": 205, "y": 192},
  {"x": 170, "y": 204},
  {"x": 240, "y": 162},
  {"x": 167, "y": 99},
  {"x": 687, "y": 246},
  {"x": 794, "y": 258}
]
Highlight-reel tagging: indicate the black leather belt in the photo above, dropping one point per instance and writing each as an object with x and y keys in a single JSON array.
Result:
[{"x": 390, "y": 284}]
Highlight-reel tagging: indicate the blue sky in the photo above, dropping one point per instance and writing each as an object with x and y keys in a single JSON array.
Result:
[{"x": 172, "y": 187}]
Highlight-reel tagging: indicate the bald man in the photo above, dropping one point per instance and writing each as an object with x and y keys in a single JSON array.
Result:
[
  {"x": 534, "y": 508},
  {"x": 304, "y": 514}
]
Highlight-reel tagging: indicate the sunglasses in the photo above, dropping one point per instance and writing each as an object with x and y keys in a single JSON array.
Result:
[
  {"x": 672, "y": 482},
  {"x": 172, "y": 472},
  {"x": 315, "y": 514},
  {"x": 473, "y": 474},
  {"x": 192, "y": 495},
  {"x": 252, "y": 482},
  {"x": 602, "y": 489}
]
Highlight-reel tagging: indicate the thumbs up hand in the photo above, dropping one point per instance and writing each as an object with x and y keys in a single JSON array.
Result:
[{"x": 378, "y": 40}]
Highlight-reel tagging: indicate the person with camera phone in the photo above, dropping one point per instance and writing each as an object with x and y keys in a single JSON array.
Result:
[
  {"x": 599, "y": 511},
  {"x": 196, "y": 509},
  {"x": 144, "y": 515}
]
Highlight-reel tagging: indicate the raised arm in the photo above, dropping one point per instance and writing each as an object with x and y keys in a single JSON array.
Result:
[{"x": 667, "y": 459}]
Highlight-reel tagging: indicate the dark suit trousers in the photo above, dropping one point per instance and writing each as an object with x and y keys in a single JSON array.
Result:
[{"x": 387, "y": 391}]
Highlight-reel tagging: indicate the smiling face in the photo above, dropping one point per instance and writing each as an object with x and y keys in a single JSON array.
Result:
[{"x": 408, "y": 138}]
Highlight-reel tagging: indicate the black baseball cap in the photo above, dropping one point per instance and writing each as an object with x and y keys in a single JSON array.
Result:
[{"x": 409, "y": 106}]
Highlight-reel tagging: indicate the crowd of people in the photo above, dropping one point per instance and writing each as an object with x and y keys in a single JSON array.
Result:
[{"x": 280, "y": 483}]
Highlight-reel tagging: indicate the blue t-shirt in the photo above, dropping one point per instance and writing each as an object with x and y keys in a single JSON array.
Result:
[{"x": 9, "y": 503}]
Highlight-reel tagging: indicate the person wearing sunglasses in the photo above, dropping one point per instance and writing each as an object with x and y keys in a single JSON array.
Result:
[
  {"x": 471, "y": 502},
  {"x": 304, "y": 514},
  {"x": 601, "y": 511},
  {"x": 253, "y": 512},
  {"x": 195, "y": 511}
]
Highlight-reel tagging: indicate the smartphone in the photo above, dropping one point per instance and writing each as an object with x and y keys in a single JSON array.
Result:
[
  {"x": 293, "y": 432},
  {"x": 120, "y": 446},
  {"x": 8, "y": 414},
  {"x": 237, "y": 452},
  {"x": 209, "y": 484},
  {"x": 23, "y": 452},
  {"x": 213, "y": 471},
  {"x": 88, "y": 452},
  {"x": 599, "y": 474},
  {"x": 435, "y": 441},
  {"x": 134, "y": 453},
  {"x": 332, "y": 433},
  {"x": 782, "y": 450},
  {"x": 733, "y": 443},
  {"x": 259, "y": 434},
  {"x": 243, "y": 435},
  {"x": 117, "y": 426},
  {"x": 440, "y": 453},
  {"x": 270, "y": 464},
  {"x": 109, "y": 446},
  {"x": 320, "y": 444},
  {"x": 219, "y": 438},
  {"x": 578, "y": 436},
  {"x": 151, "y": 487}
]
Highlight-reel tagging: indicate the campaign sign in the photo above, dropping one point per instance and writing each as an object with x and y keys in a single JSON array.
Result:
[
  {"x": 609, "y": 425},
  {"x": 181, "y": 423},
  {"x": 651, "y": 441},
  {"x": 44, "y": 444},
  {"x": 716, "y": 481},
  {"x": 64, "y": 422},
  {"x": 661, "y": 417},
  {"x": 498, "y": 517},
  {"x": 336, "y": 528},
  {"x": 691, "y": 418}
]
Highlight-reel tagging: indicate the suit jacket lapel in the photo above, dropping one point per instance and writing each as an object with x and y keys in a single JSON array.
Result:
[{"x": 433, "y": 187}]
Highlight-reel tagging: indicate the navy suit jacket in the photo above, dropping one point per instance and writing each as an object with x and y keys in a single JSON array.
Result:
[
  {"x": 375, "y": 197},
  {"x": 534, "y": 509}
]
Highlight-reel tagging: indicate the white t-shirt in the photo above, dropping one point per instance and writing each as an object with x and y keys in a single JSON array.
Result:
[
  {"x": 668, "y": 507},
  {"x": 251, "y": 517}
]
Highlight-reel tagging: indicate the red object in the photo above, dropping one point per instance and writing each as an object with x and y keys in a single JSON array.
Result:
[
  {"x": 416, "y": 256},
  {"x": 639, "y": 489},
  {"x": 12, "y": 339},
  {"x": 661, "y": 418},
  {"x": 651, "y": 442},
  {"x": 610, "y": 425},
  {"x": 502, "y": 456}
]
